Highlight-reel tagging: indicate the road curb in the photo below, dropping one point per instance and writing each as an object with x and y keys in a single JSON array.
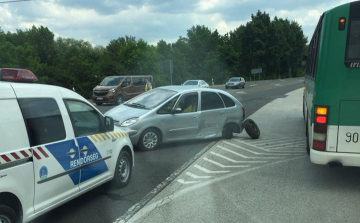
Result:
[{"x": 139, "y": 205}]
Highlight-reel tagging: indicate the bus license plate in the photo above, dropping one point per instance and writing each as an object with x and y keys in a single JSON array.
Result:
[{"x": 348, "y": 140}]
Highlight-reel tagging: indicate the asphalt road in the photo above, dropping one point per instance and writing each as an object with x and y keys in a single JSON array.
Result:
[{"x": 105, "y": 204}]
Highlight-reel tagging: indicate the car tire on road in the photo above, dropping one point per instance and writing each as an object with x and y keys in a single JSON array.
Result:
[
  {"x": 149, "y": 139},
  {"x": 123, "y": 170},
  {"x": 227, "y": 132},
  {"x": 98, "y": 103},
  {"x": 243, "y": 86},
  {"x": 119, "y": 99},
  {"x": 251, "y": 128},
  {"x": 7, "y": 215},
  {"x": 226, "y": 87}
]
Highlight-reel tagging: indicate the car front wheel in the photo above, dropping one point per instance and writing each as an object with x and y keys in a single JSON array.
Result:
[
  {"x": 123, "y": 170},
  {"x": 149, "y": 139},
  {"x": 7, "y": 215},
  {"x": 119, "y": 100}
]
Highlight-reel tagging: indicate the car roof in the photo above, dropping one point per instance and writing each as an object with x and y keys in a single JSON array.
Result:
[{"x": 42, "y": 87}]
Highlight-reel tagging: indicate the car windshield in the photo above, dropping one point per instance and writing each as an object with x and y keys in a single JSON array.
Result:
[
  {"x": 234, "y": 80},
  {"x": 151, "y": 99},
  {"x": 191, "y": 83},
  {"x": 111, "y": 81}
]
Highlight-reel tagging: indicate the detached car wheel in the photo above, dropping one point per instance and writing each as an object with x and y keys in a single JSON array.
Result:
[
  {"x": 149, "y": 139},
  {"x": 123, "y": 170},
  {"x": 7, "y": 215},
  {"x": 251, "y": 128}
]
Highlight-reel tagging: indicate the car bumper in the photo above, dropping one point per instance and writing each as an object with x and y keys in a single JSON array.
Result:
[
  {"x": 133, "y": 134},
  {"x": 109, "y": 98},
  {"x": 324, "y": 158}
]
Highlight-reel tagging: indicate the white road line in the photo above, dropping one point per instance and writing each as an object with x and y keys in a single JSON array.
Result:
[
  {"x": 196, "y": 176},
  {"x": 203, "y": 169},
  {"x": 253, "y": 85},
  {"x": 268, "y": 153},
  {"x": 246, "y": 157},
  {"x": 222, "y": 165},
  {"x": 247, "y": 150},
  {"x": 280, "y": 142},
  {"x": 286, "y": 144},
  {"x": 241, "y": 92},
  {"x": 272, "y": 140},
  {"x": 187, "y": 182},
  {"x": 235, "y": 161}
]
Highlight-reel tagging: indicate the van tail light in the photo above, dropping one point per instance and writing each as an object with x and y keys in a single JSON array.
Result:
[
  {"x": 320, "y": 128},
  {"x": 243, "y": 113}
]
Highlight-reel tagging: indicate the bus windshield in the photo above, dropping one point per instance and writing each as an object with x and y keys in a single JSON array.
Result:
[{"x": 111, "y": 81}]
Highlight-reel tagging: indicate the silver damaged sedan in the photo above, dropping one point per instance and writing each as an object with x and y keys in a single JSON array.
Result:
[{"x": 175, "y": 113}]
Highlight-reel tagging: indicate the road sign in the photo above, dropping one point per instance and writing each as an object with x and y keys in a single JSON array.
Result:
[
  {"x": 166, "y": 67},
  {"x": 256, "y": 71}
]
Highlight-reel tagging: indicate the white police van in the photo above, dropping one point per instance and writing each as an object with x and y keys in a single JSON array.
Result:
[{"x": 54, "y": 146}]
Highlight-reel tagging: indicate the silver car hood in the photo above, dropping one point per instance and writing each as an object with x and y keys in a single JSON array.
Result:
[{"x": 123, "y": 112}]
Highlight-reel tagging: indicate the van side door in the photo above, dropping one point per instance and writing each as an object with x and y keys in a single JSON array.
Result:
[
  {"x": 95, "y": 145},
  {"x": 53, "y": 149}
]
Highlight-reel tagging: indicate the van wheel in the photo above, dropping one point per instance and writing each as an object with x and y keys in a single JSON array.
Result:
[
  {"x": 98, "y": 103},
  {"x": 7, "y": 215},
  {"x": 149, "y": 139},
  {"x": 227, "y": 132},
  {"x": 123, "y": 170},
  {"x": 119, "y": 100},
  {"x": 251, "y": 128}
]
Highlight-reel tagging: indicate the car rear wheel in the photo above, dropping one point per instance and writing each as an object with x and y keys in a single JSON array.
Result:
[
  {"x": 227, "y": 132},
  {"x": 149, "y": 139},
  {"x": 97, "y": 103},
  {"x": 7, "y": 215},
  {"x": 251, "y": 128},
  {"x": 226, "y": 87},
  {"x": 119, "y": 100},
  {"x": 123, "y": 170}
]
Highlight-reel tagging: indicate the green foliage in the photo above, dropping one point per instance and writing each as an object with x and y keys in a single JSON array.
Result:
[{"x": 277, "y": 45}]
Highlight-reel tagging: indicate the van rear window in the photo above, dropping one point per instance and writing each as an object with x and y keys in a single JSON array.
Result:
[{"x": 353, "y": 46}]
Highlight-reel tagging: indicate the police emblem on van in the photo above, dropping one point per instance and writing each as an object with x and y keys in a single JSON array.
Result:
[{"x": 43, "y": 172}]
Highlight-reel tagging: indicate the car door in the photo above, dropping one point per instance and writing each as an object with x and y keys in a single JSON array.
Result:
[
  {"x": 95, "y": 145},
  {"x": 53, "y": 148},
  {"x": 126, "y": 89},
  {"x": 183, "y": 122},
  {"x": 212, "y": 114}
]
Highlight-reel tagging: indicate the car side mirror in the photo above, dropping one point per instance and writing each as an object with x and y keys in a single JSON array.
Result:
[
  {"x": 177, "y": 111},
  {"x": 109, "y": 124}
]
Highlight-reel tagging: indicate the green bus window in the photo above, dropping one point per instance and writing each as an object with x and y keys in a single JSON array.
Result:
[{"x": 353, "y": 47}]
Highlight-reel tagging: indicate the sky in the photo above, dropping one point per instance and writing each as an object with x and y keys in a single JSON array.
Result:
[{"x": 100, "y": 21}]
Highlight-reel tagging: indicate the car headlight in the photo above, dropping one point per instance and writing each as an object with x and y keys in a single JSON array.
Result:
[
  {"x": 112, "y": 90},
  {"x": 129, "y": 122}
]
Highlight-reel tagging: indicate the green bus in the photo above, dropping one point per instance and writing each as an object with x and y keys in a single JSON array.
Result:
[{"x": 331, "y": 101}]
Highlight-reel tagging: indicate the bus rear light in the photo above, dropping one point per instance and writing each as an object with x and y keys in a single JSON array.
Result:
[
  {"x": 320, "y": 119},
  {"x": 342, "y": 22},
  {"x": 319, "y": 145},
  {"x": 321, "y": 110},
  {"x": 320, "y": 128},
  {"x": 319, "y": 137}
]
